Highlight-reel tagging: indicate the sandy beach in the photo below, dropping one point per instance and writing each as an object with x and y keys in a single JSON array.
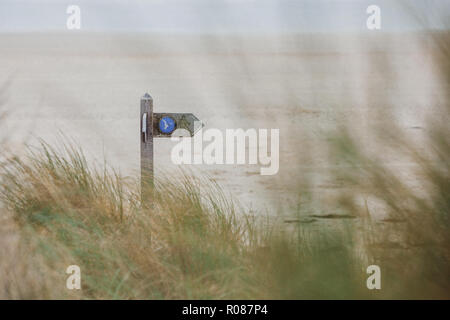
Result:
[{"x": 88, "y": 86}]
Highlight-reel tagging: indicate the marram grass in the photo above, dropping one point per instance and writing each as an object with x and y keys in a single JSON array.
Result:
[{"x": 187, "y": 244}]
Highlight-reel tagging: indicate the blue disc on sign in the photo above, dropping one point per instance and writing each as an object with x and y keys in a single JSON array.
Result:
[{"x": 166, "y": 125}]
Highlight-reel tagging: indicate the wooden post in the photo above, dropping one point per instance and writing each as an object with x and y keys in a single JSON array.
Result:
[
  {"x": 146, "y": 137},
  {"x": 153, "y": 126}
]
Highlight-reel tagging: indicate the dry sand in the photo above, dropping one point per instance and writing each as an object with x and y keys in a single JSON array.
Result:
[{"x": 88, "y": 86}]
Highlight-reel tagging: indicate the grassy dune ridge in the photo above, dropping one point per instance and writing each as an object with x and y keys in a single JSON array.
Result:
[
  {"x": 188, "y": 244},
  {"x": 194, "y": 244}
]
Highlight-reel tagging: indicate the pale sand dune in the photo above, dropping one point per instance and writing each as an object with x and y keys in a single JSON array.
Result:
[{"x": 89, "y": 86}]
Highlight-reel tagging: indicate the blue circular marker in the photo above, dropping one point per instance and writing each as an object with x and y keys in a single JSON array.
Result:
[{"x": 166, "y": 125}]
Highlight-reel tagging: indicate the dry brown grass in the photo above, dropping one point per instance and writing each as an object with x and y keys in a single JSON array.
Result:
[{"x": 192, "y": 244}]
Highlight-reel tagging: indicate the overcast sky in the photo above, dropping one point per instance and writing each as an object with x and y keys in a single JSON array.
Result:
[{"x": 210, "y": 16}]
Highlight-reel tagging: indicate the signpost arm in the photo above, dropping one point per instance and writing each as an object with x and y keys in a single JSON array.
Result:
[{"x": 146, "y": 141}]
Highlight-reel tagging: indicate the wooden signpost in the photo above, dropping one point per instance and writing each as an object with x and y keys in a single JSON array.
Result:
[{"x": 159, "y": 125}]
